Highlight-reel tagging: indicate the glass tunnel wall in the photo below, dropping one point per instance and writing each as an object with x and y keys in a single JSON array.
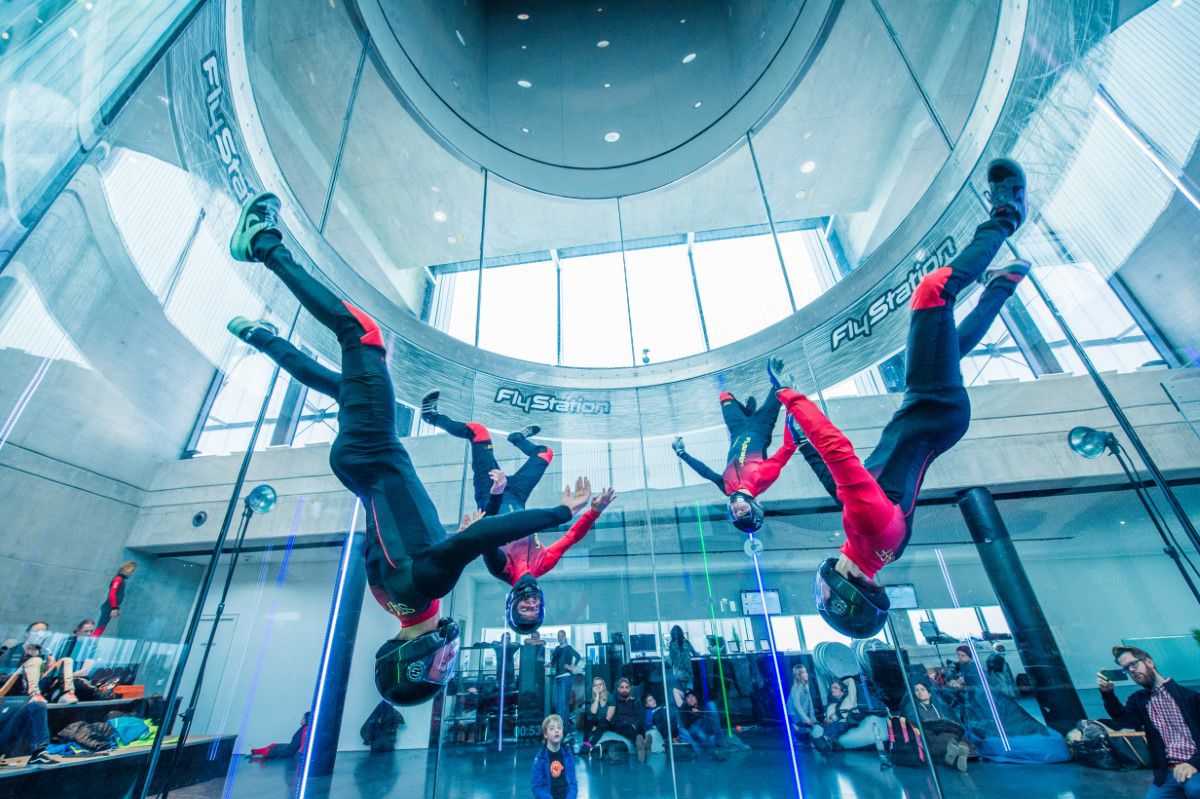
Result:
[{"x": 112, "y": 312}]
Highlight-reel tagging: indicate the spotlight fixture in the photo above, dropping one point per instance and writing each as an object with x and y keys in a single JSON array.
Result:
[
  {"x": 1088, "y": 442},
  {"x": 524, "y": 84},
  {"x": 439, "y": 216},
  {"x": 698, "y": 104},
  {"x": 602, "y": 43},
  {"x": 522, "y": 17},
  {"x": 808, "y": 166},
  {"x": 689, "y": 58},
  {"x": 261, "y": 499},
  {"x": 612, "y": 136}
]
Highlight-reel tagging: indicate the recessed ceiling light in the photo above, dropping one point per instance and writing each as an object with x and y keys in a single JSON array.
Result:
[
  {"x": 608, "y": 85},
  {"x": 434, "y": 189},
  {"x": 524, "y": 47},
  {"x": 524, "y": 130},
  {"x": 452, "y": 239},
  {"x": 808, "y": 166},
  {"x": 689, "y": 58},
  {"x": 612, "y": 136},
  {"x": 682, "y": 21},
  {"x": 461, "y": 40},
  {"x": 439, "y": 216},
  {"x": 808, "y": 135},
  {"x": 602, "y": 43},
  {"x": 698, "y": 104},
  {"x": 800, "y": 195},
  {"x": 524, "y": 84},
  {"x": 522, "y": 17}
]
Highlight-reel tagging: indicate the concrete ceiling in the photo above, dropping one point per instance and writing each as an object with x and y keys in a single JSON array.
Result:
[{"x": 402, "y": 201}]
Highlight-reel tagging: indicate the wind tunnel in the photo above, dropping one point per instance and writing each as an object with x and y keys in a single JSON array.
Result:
[{"x": 595, "y": 219}]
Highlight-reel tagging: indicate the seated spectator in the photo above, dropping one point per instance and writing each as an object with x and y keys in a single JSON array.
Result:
[
  {"x": 800, "y": 705},
  {"x": 1170, "y": 716},
  {"x": 80, "y": 647},
  {"x": 625, "y": 717},
  {"x": 698, "y": 726},
  {"x": 554, "y": 766},
  {"x": 290, "y": 749},
  {"x": 943, "y": 735},
  {"x": 963, "y": 673},
  {"x": 595, "y": 717},
  {"x": 43, "y": 674},
  {"x": 24, "y": 731},
  {"x": 655, "y": 719},
  {"x": 999, "y": 675},
  {"x": 837, "y": 718}
]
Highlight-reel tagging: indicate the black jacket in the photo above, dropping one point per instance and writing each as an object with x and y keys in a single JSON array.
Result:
[{"x": 1135, "y": 713}]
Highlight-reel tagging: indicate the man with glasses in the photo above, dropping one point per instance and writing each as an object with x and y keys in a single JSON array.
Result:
[{"x": 1170, "y": 716}]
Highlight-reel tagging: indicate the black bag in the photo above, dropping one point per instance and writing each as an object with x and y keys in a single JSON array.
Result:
[
  {"x": 1096, "y": 753},
  {"x": 96, "y": 736},
  {"x": 904, "y": 745},
  {"x": 379, "y": 730}
]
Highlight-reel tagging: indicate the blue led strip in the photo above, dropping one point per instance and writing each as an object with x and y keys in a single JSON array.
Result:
[
  {"x": 338, "y": 589},
  {"x": 787, "y": 727}
]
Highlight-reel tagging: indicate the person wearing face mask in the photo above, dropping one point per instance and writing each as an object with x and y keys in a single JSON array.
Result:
[
  {"x": 410, "y": 561},
  {"x": 748, "y": 471},
  {"x": 44, "y": 674}
]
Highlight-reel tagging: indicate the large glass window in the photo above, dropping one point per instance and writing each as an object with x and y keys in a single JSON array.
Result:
[
  {"x": 662, "y": 304},
  {"x": 595, "y": 311},
  {"x": 517, "y": 311},
  {"x": 741, "y": 286}
]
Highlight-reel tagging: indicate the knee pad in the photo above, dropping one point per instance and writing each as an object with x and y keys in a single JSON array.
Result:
[
  {"x": 372, "y": 334},
  {"x": 546, "y": 454},
  {"x": 479, "y": 433},
  {"x": 929, "y": 290}
]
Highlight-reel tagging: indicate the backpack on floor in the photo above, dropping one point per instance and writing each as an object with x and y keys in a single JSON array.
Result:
[
  {"x": 904, "y": 745},
  {"x": 96, "y": 736}
]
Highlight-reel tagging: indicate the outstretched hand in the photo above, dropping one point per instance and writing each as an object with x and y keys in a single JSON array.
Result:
[
  {"x": 470, "y": 519},
  {"x": 499, "y": 481},
  {"x": 677, "y": 445},
  {"x": 775, "y": 373},
  {"x": 601, "y": 500},
  {"x": 577, "y": 499}
]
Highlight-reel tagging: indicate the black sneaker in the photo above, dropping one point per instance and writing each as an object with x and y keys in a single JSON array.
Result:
[
  {"x": 1006, "y": 190},
  {"x": 259, "y": 213},
  {"x": 42, "y": 759},
  {"x": 1013, "y": 272},
  {"x": 429, "y": 406},
  {"x": 243, "y": 328},
  {"x": 527, "y": 432}
]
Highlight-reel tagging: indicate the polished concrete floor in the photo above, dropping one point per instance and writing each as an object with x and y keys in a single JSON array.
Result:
[{"x": 762, "y": 773}]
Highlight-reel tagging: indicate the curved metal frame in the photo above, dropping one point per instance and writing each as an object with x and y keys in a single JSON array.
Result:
[{"x": 428, "y": 354}]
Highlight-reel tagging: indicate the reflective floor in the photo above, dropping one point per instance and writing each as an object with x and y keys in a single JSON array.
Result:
[{"x": 846, "y": 774}]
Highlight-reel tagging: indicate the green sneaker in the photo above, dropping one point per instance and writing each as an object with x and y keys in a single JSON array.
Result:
[
  {"x": 242, "y": 327},
  {"x": 259, "y": 213}
]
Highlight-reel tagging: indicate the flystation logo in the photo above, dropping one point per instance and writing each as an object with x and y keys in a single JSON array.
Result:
[
  {"x": 551, "y": 403},
  {"x": 892, "y": 299},
  {"x": 220, "y": 131}
]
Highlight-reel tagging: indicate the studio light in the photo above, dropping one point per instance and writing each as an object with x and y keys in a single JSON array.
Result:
[
  {"x": 261, "y": 499},
  {"x": 1087, "y": 442}
]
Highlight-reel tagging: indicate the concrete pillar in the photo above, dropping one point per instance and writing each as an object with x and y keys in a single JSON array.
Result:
[
  {"x": 1034, "y": 639},
  {"x": 334, "y": 672}
]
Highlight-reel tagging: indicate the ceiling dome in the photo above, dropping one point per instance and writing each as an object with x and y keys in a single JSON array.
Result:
[{"x": 588, "y": 100}]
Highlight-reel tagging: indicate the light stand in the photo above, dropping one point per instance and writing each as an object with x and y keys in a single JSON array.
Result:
[
  {"x": 261, "y": 499},
  {"x": 1090, "y": 443}
]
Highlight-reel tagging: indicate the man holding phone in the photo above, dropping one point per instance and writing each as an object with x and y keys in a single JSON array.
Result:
[{"x": 1167, "y": 712}]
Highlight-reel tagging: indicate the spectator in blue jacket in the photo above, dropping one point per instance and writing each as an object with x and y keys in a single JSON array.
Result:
[{"x": 554, "y": 766}]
